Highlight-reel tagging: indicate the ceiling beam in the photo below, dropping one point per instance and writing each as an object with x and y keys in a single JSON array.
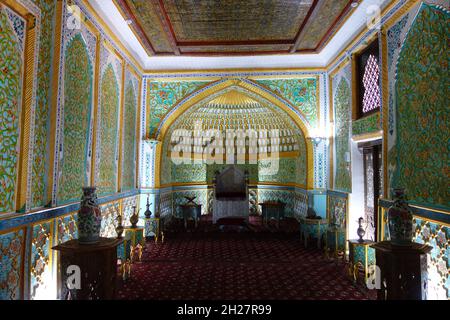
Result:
[
  {"x": 312, "y": 13},
  {"x": 167, "y": 26},
  {"x": 140, "y": 34}
]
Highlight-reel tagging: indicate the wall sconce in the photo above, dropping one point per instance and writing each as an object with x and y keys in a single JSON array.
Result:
[
  {"x": 316, "y": 140},
  {"x": 347, "y": 159}
]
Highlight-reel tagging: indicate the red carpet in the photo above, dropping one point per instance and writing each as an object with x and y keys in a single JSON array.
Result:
[{"x": 241, "y": 266}]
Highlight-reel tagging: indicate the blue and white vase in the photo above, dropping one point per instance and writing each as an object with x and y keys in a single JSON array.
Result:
[
  {"x": 89, "y": 217},
  {"x": 400, "y": 219}
]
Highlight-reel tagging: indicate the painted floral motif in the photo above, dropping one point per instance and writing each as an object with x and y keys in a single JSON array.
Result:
[
  {"x": 42, "y": 111},
  {"x": 302, "y": 93},
  {"x": 77, "y": 117},
  {"x": 342, "y": 109},
  {"x": 107, "y": 183},
  {"x": 129, "y": 139},
  {"x": 422, "y": 110},
  {"x": 367, "y": 124},
  {"x": 11, "y": 264},
  {"x": 164, "y": 95},
  {"x": 10, "y": 99}
]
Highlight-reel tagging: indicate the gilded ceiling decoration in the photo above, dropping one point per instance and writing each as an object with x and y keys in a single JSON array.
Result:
[{"x": 211, "y": 27}]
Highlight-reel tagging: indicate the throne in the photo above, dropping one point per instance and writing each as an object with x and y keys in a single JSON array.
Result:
[{"x": 230, "y": 194}]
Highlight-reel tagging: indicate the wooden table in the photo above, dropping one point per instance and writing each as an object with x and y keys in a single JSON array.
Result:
[
  {"x": 335, "y": 242},
  {"x": 272, "y": 210},
  {"x": 313, "y": 228},
  {"x": 97, "y": 264},
  {"x": 403, "y": 271}
]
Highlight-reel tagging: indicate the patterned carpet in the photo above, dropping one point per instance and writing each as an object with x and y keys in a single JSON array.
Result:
[{"x": 237, "y": 266}]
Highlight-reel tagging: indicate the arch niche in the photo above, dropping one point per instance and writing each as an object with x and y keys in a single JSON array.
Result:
[{"x": 242, "y": 85}]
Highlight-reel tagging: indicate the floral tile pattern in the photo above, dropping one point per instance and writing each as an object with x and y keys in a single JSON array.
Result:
[
  {"x": 42, "y": 110},
  {"x": 342, "y": 103},
  {"x": 107, "y": 182},
  {"x": 129, "y": 138},
  {"x": 78, "y": 83},
  {"x": 302, "y": 93},
  {"x": 422, "y": 113},
  {"x": 10, "y": 101}
]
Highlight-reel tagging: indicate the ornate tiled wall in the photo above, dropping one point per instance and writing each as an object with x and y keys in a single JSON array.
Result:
[
  {"x": 129, "y": 131},
  {"x": 342, "y": 116},
  {"x": 12, "y": 29},
  {"x": 11, "y": 255},
  {"x": 367, "y": 124},
  {"x": 162, "y": 96},
  {"x": 40, "y": 262},
  {"x": 417, "y": 133},
  {"x": 201, "y": 198},
  {"x": 43, "y": 95},
  {"x": 78, "y": 101},
  {"x": 337, "y": 209},
  {"x": 66, "y": 228},
  {"x": 432, "y": 228},
  {"x": 60, "y": 115},
  {"x": 108, "y": 121},
  {"x": 301, "y": 93}
]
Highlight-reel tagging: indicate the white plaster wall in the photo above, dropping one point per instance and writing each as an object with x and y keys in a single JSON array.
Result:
[{"x": 356, "y": 198}]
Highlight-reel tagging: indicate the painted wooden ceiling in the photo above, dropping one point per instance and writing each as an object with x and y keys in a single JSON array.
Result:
[{"x": 233, "y": 27}]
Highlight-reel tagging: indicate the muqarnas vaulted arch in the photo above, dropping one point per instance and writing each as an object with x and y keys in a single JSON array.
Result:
[
  {"x": 78, "y": 84},
  {"x": 251, "y": 89}
]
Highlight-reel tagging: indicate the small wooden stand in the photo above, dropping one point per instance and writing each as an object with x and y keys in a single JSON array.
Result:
[
  {"x": 97, "y": 264},
  {"x": 403, "y": 271}
]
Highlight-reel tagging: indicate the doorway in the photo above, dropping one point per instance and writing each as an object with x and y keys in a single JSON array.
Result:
[{"x": 373, "y": 175}]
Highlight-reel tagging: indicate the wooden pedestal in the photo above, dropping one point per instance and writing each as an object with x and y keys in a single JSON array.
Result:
[
  {"x": 403, "y": 271},
  {"x": 98, "y": 269}
]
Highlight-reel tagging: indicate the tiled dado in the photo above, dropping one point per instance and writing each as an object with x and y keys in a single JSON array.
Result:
[
  {"x": 27, "y": 263},
  {"x": 296, "y": 200},
  {"x": 431, "y": 227}
]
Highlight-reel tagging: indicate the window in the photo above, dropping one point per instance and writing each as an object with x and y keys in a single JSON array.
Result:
[{"x": 368, "y": 81}]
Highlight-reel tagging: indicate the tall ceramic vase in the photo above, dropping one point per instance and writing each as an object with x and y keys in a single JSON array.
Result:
[
  {"x": 89, "y": 217},
  {"x": 400, "y": 219}
]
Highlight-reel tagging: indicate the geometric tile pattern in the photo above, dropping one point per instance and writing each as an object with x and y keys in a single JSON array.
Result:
[{"x": 437, "y": 236}]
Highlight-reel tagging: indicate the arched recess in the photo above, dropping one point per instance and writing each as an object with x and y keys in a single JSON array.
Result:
[
  {"x": 109, "y": 126},
  {"x": 78, "y": 91},
  {"x": 222, "y": 86}
]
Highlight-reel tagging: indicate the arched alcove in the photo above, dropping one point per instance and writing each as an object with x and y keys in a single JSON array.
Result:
[{"x": 253, "y": 92}]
